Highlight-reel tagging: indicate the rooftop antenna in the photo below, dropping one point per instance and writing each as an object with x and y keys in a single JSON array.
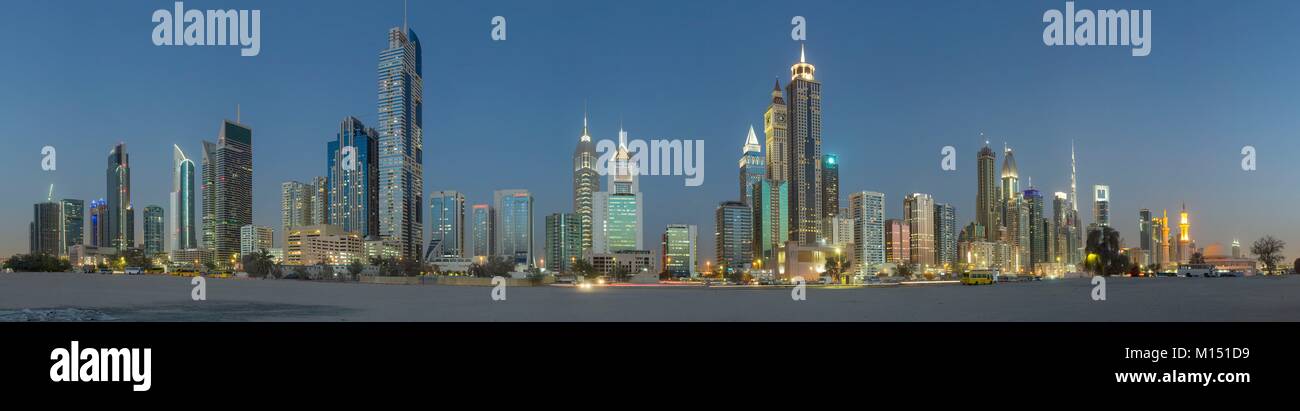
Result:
[
  {"x": 237, "y": 114},
  {"x": 404, "y": 17},
  {"x": 50, "y": 197}
]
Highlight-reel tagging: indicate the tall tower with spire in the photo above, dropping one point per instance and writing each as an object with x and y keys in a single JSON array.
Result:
[
  {"x": 586, "y": 181},
  {"x": 1017, "y": 214},
  {"x": 619, "y": 210},
  {"x": 804, "y": 106},
  {"x": 772, "y": 201},
  {"x": 401, "y": 142},
  {"x": 986, "y": 198}
]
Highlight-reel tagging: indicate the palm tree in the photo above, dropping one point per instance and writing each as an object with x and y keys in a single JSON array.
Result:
[{"x": 259, "y": 264}]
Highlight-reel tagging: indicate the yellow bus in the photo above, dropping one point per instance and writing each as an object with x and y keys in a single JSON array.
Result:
[{"x": 979, "y": 277}]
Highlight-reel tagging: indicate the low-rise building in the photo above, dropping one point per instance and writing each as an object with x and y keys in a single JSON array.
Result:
[{"x": 322, "y": 244}]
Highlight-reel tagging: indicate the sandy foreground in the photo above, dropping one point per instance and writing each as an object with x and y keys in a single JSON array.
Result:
[{"x": 94, "y": 297}]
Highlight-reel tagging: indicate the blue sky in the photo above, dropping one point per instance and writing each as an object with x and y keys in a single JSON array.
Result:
[{"x": 900, "y": 81}]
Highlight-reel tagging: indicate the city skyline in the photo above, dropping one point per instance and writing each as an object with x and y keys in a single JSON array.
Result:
[{"x": 1156, "y": 186}]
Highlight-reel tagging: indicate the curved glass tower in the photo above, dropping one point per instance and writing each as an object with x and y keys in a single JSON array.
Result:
[{"x": 182, "y": 203}]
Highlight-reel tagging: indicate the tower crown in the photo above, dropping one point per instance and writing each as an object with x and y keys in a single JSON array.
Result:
[{"x": 802, "y": 70}]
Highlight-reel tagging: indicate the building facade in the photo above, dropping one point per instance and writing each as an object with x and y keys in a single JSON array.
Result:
[
  {"x": 564, "y": 233},
  {"x": 514, "y": 225},
  {"x": 352, "y": 189},
  {"x": 46, "y": 230},
  {"x": 255, "y": 238},
  {"x": 804, "y": 107},
  {"x": 945, "y": 235},
  {"x": 868, "y": 211},
  {"x": 447, "y": 225},
  {"x": 227, "y": 190},
  {"x": 74, "y": 221},
  {"x": 154, "y": 230},
  {"x": 586, "y": 182},
  {"x": 733, "y": 236},
  {"x": 919, "y": 211},
  {"x": 323, "y": 244},
  {"x": 120, "y": 219},
  {"x": 482, "y": 221},
  {"x": 680, "y": 244},
  {"x": 898, "y": 242},
  {"x": 181, "y": 221},
  {"x": 401, "y": 142}
]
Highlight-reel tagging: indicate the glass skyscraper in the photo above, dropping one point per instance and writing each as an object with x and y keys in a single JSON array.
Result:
[
  {"x": 98, "y": 229},
  {"x": 945, "y": 235},
  {"x": 120, "y": 220},
  {"x": 986, "y": 200},
  {"x": 482, "y": 220},
  {"x": 1038, "y": 237},
  {"x": 46, "y": 230},
  {"x": 352, "y": 195},
  {"x": 563, "y": 241},
  {"x": 153, "y": 230},
  {"x": 514, "y": 225},
  {"x": 1101, "y": 205},
  {"x": 181, "y": 203},
  {"x": 401, "y": 142},
  {"x": 830, "y": 195},
  {"x": 618, "y": 211},
  {"x": 681, "y": 250},
  {"x": 772, "y": 221},
  {"x": 74, "y": 220},
  {"x": 734, "y": 236},
  {"x": 447, "y": 220},
  {"x": 227, "y": 190}
]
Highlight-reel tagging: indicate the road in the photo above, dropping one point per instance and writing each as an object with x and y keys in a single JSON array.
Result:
[{"x": 162, "y": 298}]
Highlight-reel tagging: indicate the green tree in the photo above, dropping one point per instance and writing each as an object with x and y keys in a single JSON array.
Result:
[
  {"x": 409, "y": 267},
  {"x": 904, "y": 270},
  {"x": 355, "y": 268},
  {"x": 1197, "y": 258},
  {"x": 584, "y": 269},
  {"x": 37, "y": 263},
  {"x": 258, "y": 264},
  {"x": 1104, "y": 256},
  {"x": 1268, "y": 251}
]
